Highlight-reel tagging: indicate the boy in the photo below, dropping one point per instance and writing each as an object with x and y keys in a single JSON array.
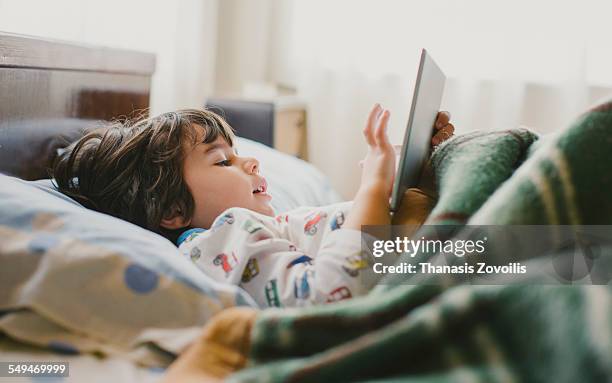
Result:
[{"x": 178, "y": 174}]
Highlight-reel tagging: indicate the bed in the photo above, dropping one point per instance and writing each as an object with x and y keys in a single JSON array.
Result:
[
  {"x": 119, "y": 303},
  {"x": 115, "y": 301}
]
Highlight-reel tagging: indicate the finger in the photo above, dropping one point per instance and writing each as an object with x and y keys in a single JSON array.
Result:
[
  {"x": 381, "y": 130},
  {"x": 450, "y": 128},
  {"x": 443, "y": 134},
  {"x": 442, "y": 120},
  {"x": 368, "y": 131},
  {"x": 446, "y": 132}
]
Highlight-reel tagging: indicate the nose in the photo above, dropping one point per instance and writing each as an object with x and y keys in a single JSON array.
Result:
[{"x": 251, "y": 166}]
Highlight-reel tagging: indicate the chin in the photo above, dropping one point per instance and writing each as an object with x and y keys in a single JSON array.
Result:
[{"x": 266, "y": 211}]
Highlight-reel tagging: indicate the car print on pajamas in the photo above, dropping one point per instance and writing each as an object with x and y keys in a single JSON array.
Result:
[
  {"x": 354, "y": 264},
  {"x": 301, "y": 259},
  {"x": 227, "y": 262},
  {"x": 251, "y": 227},
  {"x": 251, "y": 270},
  {"x": 337, "y": 221},
  {"x": 227, "y": 217},
  {"x": 312, "y": 221},
  {"x": 272, "y": 294},
  {"x": 195, "y": 254},
  {"x": 281, "y": 218},
  {"x": 339, "y": 294},
  {"x": 301, "y": 286}
]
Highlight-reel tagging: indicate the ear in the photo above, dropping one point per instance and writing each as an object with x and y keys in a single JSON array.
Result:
[{"x": 174, "y": 221}]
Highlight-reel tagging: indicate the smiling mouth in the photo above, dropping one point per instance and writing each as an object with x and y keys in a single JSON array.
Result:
[{"x": 262, "y": 188}]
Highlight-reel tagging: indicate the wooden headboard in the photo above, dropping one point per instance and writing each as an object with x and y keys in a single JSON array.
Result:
[{"x": 52, "y": 88}]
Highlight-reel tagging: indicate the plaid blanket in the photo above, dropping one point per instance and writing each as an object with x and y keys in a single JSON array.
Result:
[{"x": 470, "y": 333}]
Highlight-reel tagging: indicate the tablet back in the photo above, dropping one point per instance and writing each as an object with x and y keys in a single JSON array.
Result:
[{"x": 428, "y": 91}]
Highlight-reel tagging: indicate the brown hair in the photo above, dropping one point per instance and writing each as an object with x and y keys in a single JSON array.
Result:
[{"x": 134, "y": 170}]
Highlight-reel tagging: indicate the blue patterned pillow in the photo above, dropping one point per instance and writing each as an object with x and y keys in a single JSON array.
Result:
[{"x": 74, "y": 279}]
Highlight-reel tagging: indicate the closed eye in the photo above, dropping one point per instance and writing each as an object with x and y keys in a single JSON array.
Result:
[{"x": 224, "y": 163}]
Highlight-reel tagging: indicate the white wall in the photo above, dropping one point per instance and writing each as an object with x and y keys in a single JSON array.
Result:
[
  {"x": 242, "y": 45},
  {"x": 254, "y": 44},
  {"x": 181, "y": 33},
  {"x": 509, "y": 63}
]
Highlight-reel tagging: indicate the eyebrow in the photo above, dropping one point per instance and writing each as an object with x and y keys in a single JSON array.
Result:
[{"x": 218, "y": 146}]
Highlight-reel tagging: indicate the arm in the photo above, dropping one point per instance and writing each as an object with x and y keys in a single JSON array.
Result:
[{"x": 370, "y": 207}]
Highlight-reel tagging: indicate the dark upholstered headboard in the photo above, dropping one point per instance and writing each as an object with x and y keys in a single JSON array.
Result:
[{"x": 52, "y": 91}]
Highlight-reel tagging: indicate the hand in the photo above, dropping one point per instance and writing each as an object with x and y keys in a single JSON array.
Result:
[
  {"x": 371, "y": 203},
  {"x": 443, "y": 129},
  {"x": 378, "y": 167}
]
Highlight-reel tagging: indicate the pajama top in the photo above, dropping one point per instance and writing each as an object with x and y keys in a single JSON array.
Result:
[{"x": 299, "y": 258}]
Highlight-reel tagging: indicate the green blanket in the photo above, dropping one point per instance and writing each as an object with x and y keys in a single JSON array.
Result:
[{"x": 460, "y": 332}]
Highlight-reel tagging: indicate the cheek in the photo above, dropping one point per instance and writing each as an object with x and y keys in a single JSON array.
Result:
[
  {"x": 221, "y": 190},
  {"x": 229, "y": 183},
  {"x": 210, "y": 201},
  {"x": 210, "y": 194}
]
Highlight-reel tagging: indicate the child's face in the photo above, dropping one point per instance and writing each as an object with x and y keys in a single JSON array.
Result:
[{"x": 219, "y": 179}]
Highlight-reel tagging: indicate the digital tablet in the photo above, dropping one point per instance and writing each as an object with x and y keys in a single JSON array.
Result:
[{"x": 428, "y": 91}]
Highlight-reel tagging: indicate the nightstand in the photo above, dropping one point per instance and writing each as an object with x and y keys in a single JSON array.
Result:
[{"x": 280, "y": 124}]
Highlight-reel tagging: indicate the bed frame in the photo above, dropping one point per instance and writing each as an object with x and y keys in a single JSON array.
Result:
[{"x": 51, "y": 89}]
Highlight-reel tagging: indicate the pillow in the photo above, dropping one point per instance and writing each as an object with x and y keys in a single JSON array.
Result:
[
  {"x": 77, "y": 280},
  {"x": 292, "y": 182}
]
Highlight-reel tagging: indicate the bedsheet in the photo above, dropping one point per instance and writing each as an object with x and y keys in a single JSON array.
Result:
[{"x": 82, "y": 368}]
